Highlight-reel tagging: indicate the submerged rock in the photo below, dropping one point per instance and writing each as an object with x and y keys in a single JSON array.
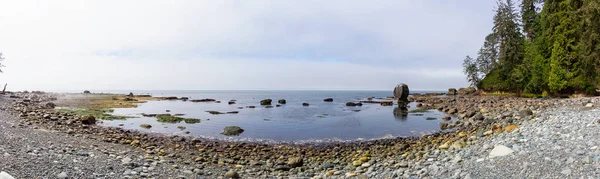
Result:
[
  {"x": 305, "y": 104},
  {"x": 328, "y": 100},
  {"x": 203, "y": 100},
  {"x": 353, "y": 104},
  {"x": 232, "y": 130},
  {"x": 146, "y": 126}
]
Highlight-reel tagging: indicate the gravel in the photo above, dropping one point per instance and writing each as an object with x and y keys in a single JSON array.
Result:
[
  {"x": 26, "y": 152},
  {"x": 561, "y": 142}
]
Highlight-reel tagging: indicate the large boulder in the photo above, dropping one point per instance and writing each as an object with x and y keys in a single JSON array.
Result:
[
  {"x": 401, "y": 92},
  {"x": 452, "y": 91},
  {"x": 466, "y": 91},
  {"x": 328, "y": 100},
  {"x": 86, "y": 92},
  {"x": 232, "y": 130},
  {"x": 265, "y": 102}
]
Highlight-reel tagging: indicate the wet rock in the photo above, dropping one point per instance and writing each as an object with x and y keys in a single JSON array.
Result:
[
  {"x": 328, "y": 100},
  {"x": 446, "y": 118},
  {"x": 232, "y": 131},
  {"x": 146, "y": 126},
  {"x": 231, "y": 102},
  {"x": 203, "y": 100},
  {"x": 387, "y": 103},
  {"x": 86, "y": 92},
  {"x": 281, "y": 101},
  {"x": 88, "y": 120},
  {"x": 443, "y": 126},
  {"x": 305, "y": 104},
  {"x": 353, "y": 104},
  {"x": 265, "y": 102}
]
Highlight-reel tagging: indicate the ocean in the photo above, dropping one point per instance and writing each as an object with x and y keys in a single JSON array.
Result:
[{"x": 292, "y": 122}]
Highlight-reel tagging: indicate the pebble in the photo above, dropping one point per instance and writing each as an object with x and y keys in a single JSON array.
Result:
[
  {"x": 62, "y": 175},
  {"x": 500, "y": 150}
]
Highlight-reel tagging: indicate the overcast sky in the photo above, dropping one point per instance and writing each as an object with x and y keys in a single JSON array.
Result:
[{"x": 222, "y": 44}]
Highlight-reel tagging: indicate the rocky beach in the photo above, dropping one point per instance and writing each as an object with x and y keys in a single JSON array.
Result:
[{"x": 495, "y": 137}]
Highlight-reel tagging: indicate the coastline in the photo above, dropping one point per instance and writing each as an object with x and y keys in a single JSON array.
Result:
[{"x": 340, "y": 159}]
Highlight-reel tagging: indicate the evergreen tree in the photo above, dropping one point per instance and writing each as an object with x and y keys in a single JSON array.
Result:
[{"x": 470, "y": 69}]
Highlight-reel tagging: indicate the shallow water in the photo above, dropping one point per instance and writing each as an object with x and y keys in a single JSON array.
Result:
[{"x": 290, "y": 122}]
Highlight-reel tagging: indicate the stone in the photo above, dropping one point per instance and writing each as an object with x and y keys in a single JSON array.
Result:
[
  {"x": 525, "y": 113},
  {"x": 351, "y": 104},
  {"x": 88, "y": 119},
  {"x": 305, "y": 104},
  {"x": 452, "y": 91},
  {"x": 281, "y": 101},
  {"x": 232, "y": 131},
  {"x": 462, "y": 134},
  {"x": 566, "y": 171},
  {"x": 50, "y": 105},
  {"x": 62, "y": 175},
  {"x": 295, "y": 162},
  {"x": 487, "y": 133},
  {"x": 444, "y": 146},
  {"x": 466, "y": 91},
  {"x": 327, "y": 165},
  {"x": 146, "y": 126},
  {"x": 265, "y": 102},
  {"x": 478, "y": 117},
  {"x": 510, "y": 128},
  {"x": 589, "y": 105},
  {"x": 401, "y": 92},
  {"x": 587, "y": 160},
  {"x": 328, "y": 100},
  {"x": 357, "y": 163},
  {"x": 4, "y": 175},
  {"x": 446, "y": 118},
  {"x": 500, "y": 151},
  {"x": 443, "y": 126},
  {"x": 86, "y": 92},
  {"x": 232, "y": 174}
]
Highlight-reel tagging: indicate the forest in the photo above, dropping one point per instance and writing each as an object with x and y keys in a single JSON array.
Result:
[{"x": 545, "y": 47}]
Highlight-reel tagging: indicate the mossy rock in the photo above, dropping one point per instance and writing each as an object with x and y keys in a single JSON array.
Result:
[{"x": 232, "y": 131}]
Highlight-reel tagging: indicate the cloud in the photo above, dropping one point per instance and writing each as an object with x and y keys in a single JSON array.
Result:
[{"x": 72, "y": 45}]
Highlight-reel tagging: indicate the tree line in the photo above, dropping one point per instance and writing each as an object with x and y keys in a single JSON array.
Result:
[{"x": 547, "y": 47}]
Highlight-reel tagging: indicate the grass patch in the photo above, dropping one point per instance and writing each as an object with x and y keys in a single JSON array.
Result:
[
  {"x": 419, "y": 110},
  {"x": 174, "y": 119},
  {"x": 98, "y": 113}
]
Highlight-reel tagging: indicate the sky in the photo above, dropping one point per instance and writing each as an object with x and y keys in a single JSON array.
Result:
[{"x": 239, "y": 44}]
